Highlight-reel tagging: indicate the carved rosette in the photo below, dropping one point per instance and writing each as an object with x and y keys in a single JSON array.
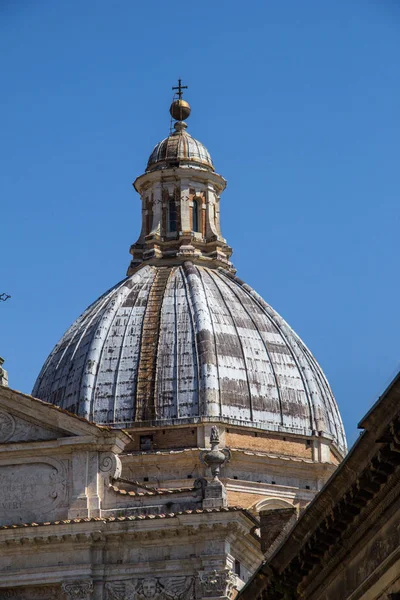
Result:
[
  {"x": 110, "y": 464},
  {"x": 77, "y": 590},
  {"x": 217, "y": 583}
]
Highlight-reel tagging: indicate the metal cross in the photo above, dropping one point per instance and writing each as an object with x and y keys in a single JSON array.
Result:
[{"x": 180, "y": 87}]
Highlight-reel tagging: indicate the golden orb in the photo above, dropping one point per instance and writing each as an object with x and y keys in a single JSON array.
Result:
[{"x": 180, "y": 110}]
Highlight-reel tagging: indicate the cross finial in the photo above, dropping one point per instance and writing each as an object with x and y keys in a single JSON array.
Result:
[{"x": 180, "y": 87}]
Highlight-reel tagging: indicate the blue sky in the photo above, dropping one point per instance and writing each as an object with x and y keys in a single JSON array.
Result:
[{"x": 298, "y": 103}]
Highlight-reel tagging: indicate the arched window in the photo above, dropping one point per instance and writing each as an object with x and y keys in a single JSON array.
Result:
[
  {"x": 196, "y": 215},
  {"x": 271, "y": 504},
  {"x": 149, "y": 215},
  {"x": 172, "y": 216}
]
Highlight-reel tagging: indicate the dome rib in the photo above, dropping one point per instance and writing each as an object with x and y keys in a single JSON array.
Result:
[
  {"x": 312, "y": 364},
  {"x": 191, "y": 317},
  {"x": 66, "y": 370},
  {"x": 166, "y": 385},
  {"x": 214, "y": 337},
  {"x": 266, "y": 349},
  {"x": 90, "y": 391},
  {"x": 282, "y": 327},
  {"x": 338, "y": 431},
  {"x": 209, "y": 400},
  {"x": 237, "y": 282},
  {"x": 88, "y": 379},
  {"x": 119, "y": 371},
  {"x": 55, "y": 376},
  {"x": 147, "y": 403},
  {"x": 238, "y": 339}
]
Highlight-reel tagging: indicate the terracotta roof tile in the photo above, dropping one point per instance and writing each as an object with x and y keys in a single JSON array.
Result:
[
  {"x": 154, "y": 491},
  {"x": 131, "y": 518}
]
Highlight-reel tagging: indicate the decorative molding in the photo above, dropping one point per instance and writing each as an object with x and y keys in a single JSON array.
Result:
[
  {"x": 31, "y": 593},
  {"x": 77, "y": 590},
  {"x": 217, "y": 583},
  {"x": 7, "y": 426},
  {"x": 154, "y": 588}
]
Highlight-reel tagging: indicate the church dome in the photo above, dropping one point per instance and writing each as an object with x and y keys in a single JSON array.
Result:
[
  {"x": 189, "y": 344},
  {"x": 182, "y": 341},
  {"x": 179, "y": 149}
]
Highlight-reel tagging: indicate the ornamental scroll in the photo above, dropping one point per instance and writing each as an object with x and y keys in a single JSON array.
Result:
[{"x": 110, "y": 465}]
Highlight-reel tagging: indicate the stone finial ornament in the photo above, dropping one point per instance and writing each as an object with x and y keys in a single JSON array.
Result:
[
  {"x": 215, "y": 458},
  {"x": 3, "y": 374}
]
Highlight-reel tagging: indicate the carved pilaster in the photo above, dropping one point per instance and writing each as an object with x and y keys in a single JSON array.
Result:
[
  {"x": 77, "y": 590},
  {"x": 216, "y": 584}
]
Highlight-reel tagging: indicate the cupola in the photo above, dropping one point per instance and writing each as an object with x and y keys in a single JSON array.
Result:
[{"x": 180, "y": 194}]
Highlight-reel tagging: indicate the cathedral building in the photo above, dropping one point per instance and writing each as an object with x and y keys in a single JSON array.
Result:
[{"x": 176, "y": 411}]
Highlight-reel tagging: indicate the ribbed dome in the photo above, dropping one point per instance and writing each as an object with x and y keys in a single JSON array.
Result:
[
  {"x": 188, "y": 343},
  {"x": 179, "y": 149}
]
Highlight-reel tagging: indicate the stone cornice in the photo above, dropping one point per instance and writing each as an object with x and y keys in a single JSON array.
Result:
[
  {"x": 356, "y": 536},
  {"x": 72, "y": 444},
  {"x": 178, "y": 174},
  {"x": 97, "y": 529},
  {"x": 365, "y": 485},
  {"x": 69, "y": 427},
  {"x": 279, "y": 491},
  {"x": 239, "y": 455}
]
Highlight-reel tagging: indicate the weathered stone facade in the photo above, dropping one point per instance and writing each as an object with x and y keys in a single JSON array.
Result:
[
  {"x": 78, "y": 516},
  {"x": 71, "y": 525}
]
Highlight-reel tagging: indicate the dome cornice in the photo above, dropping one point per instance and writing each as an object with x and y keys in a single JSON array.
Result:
[{"x": 185, "y": 174}]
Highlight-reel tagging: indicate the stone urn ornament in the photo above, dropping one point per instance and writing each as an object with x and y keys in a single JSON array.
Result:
[{"x": 216, "y": 457}]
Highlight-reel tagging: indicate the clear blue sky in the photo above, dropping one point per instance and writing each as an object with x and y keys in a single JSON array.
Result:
[{"x": 298, "y": 103}]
